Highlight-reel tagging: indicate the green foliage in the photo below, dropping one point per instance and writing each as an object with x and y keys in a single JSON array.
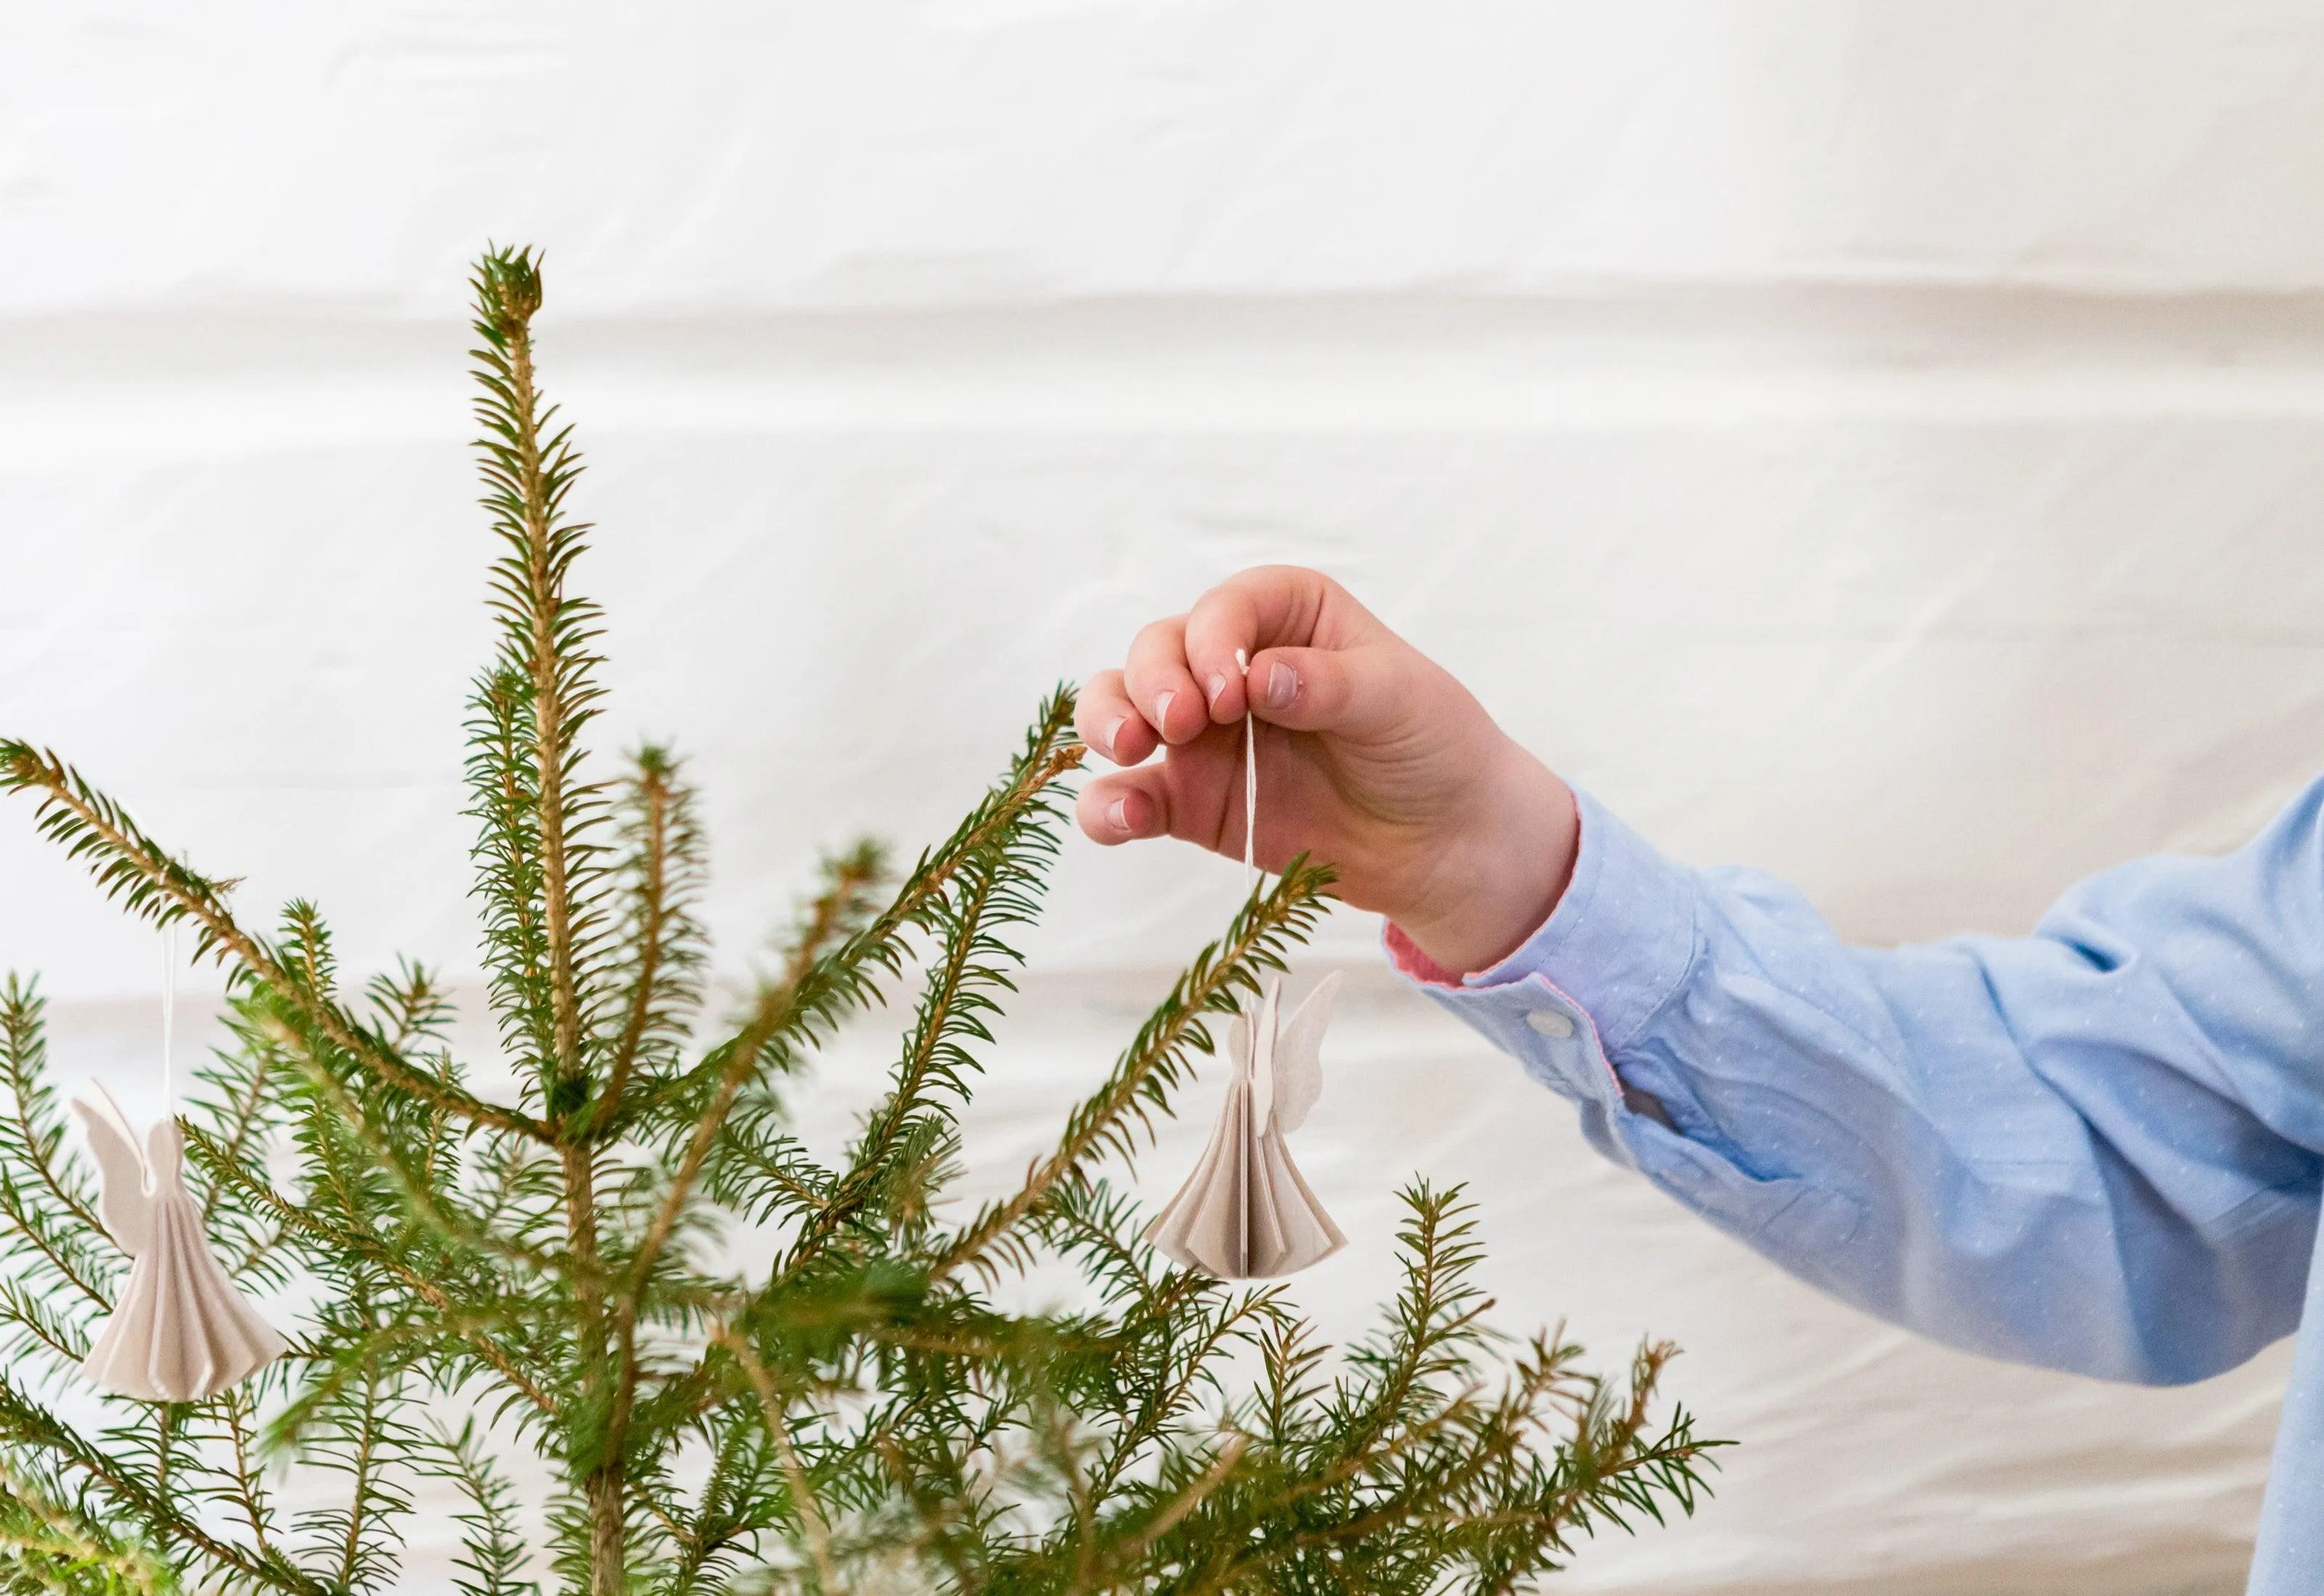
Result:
[{"x": 859, "y": 1413}]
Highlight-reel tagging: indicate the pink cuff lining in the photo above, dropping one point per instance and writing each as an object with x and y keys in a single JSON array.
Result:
[{"x": 1405, "y": 955}]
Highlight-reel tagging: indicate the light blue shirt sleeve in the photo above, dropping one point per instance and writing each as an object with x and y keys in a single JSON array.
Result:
[{"x": 2094, "y": 1149}]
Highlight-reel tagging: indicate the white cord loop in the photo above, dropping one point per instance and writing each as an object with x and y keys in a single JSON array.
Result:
[
  {"x": 168, "y": 1018},
  {"x": 1250, "y": 774}
]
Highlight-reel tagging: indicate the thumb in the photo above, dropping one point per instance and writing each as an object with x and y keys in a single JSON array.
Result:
[{"x": 1356, "y": 692}]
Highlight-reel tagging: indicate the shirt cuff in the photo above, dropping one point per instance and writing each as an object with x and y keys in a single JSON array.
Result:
[{"x": 1618, "y": 944}]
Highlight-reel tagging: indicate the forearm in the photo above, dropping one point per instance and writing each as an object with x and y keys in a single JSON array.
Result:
[{"x": 2036, "y": 1148}]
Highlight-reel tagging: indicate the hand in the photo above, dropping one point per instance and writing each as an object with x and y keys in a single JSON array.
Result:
[{"x": 1371, "y": 758}]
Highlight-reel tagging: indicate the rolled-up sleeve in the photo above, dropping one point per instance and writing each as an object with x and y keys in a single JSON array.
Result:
[{"x": 2095, "y": 1148}]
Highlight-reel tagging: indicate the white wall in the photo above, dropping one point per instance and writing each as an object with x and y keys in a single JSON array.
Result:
[{"x": 1885, "y": 443}]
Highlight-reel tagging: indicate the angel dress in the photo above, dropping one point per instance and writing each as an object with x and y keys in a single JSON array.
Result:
[
  {"x": 180, "y": 1330},
  {"x": 1245, "y": 1214}
]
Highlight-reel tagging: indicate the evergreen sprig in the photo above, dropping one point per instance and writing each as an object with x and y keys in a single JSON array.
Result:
[{"x": 640, "y": 1409}]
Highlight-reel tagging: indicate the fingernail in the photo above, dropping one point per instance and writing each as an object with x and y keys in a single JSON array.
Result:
[
  {"x": 1162, "y": 713},
  {"x": 1114, "y": 735},
  {"x": 1282, "y": 685},
  {"x": 1218, "y": 685},
  {"x": 1117, "y": 814}
]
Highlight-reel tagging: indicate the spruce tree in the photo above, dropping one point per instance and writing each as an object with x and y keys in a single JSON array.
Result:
[{"x": 465, "y": 1276}]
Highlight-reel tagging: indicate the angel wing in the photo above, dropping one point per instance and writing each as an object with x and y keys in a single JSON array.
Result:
[
  {"x": 122, "y": 1203},
  {"x": 1298, "y": 1057}
]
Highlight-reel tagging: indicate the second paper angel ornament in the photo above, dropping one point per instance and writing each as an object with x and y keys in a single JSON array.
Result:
[{"x": 179, "y": 1331}]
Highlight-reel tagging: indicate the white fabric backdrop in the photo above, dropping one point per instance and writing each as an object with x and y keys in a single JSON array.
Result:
[{"x": 1881, "y": 443}]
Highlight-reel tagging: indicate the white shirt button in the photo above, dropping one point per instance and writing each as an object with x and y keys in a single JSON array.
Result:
[{"x": 1549, "y": 1022}]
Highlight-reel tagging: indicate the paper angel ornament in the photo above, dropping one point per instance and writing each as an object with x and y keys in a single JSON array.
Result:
[
  {"x": 1245, "y": 1214},
  {"x": 179, "y": 1331}
]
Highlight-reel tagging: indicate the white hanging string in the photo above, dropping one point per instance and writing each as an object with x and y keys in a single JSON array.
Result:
[
  {"x": 169, "y": 1018},
  {"x": 1250, "y": 774}
]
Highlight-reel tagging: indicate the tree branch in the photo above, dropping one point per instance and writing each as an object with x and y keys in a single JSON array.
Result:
[
  {"x": 1153, "y": 1063},
  {"x": 158, "y": 887}
]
